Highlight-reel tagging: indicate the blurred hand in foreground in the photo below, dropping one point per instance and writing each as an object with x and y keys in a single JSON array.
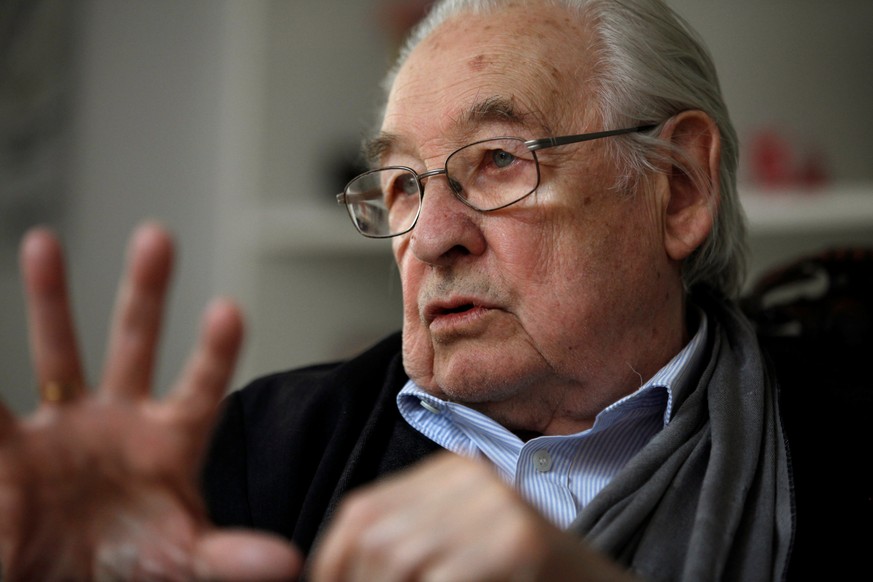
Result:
[
  {"x": 103, "y": 484},
  {"x": 452, "y": 518}
]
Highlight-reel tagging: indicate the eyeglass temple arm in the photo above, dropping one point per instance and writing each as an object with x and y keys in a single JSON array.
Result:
[
  {"x": 549, "y": 142},
  {"x": 342, "y": 198},
  {"x": 539, "y": 144}
]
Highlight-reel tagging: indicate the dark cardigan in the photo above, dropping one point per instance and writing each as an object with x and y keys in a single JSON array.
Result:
[{"x": 290, "y": 445}]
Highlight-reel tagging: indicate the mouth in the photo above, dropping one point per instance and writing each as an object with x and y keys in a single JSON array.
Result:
[
  {"x": 459, "y": 309},
  {"x": 454, "y": 309}
]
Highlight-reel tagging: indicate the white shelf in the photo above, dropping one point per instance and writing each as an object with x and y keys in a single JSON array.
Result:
[{"x": 839, "y": 208}]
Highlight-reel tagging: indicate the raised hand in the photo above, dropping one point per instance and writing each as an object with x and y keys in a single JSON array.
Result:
[{"x": 102, "y": 484}]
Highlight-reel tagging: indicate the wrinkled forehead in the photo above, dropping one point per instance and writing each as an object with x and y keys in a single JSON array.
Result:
[{"x": 532, "y": 63}]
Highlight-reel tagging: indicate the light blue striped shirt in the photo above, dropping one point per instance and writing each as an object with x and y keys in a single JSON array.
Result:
[{"x": 559, "y": 474}]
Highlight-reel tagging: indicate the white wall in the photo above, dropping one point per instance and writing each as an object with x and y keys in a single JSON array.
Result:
[{"x": 146, "y": 121}]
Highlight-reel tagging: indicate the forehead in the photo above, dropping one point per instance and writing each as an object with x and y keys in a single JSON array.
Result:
[{"x": 532, "y": 61}]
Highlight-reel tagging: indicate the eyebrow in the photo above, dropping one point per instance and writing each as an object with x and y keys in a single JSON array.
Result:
[
  {"x": 489, "y": 110},
  {"x": 374, "y": 148},
  {"x": 493, "y": 109}
]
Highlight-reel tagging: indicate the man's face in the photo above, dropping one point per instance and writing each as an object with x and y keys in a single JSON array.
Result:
[{"x": 550, "y": 308}]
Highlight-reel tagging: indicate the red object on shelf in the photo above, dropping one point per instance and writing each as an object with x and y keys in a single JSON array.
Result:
[
  {"x": 776, "y": 163},
  {"x": 771, "y": 158}
]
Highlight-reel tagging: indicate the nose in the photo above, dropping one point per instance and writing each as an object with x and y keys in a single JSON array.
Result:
[{"x": 447, "y": 228}]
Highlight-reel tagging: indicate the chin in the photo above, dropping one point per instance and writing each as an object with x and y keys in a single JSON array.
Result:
[
  {"x": 479, "y": 369},
  {"x": 474, "y": 377}
]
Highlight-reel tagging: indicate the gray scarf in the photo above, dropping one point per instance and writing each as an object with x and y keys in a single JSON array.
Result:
[{"x": 715, "y": 481}]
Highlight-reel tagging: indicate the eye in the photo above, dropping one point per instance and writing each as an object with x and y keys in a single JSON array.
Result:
[
  {"x": 399, "y": 186},
  {"x": 407, "y": 184},
  {"x": 502, "y": 158}
]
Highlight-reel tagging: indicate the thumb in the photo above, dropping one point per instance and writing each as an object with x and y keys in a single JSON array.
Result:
[{"x": 241, "y": 555}]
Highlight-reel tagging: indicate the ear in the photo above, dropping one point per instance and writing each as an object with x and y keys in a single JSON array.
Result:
[{"x": 691, "y": 183}]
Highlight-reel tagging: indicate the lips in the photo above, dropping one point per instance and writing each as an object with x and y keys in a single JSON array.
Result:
[
  {"x": 440, "y": 310},
  {"x": 456, "y": 308}
]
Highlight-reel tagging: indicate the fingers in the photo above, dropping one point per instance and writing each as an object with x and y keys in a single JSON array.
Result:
[
  {"x": 209, "y": 368},
  {"x": 138, "y": 314},
  {"x": 51, "y": 331},
  {"x": 451, "y": 518},
  {"x": 242, "y": 556}
]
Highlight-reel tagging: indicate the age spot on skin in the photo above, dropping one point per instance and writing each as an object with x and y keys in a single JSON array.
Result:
[{"x": 478, "y": 63}]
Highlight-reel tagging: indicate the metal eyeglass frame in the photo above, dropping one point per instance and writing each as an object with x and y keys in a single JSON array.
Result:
[{"x": 532, "y": 145}]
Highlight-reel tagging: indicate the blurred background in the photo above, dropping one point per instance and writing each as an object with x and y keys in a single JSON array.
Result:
[{"x": 235, "y": 122}]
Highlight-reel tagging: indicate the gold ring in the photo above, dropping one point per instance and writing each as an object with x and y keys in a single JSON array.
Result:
[{"x": 60, "y": 392}]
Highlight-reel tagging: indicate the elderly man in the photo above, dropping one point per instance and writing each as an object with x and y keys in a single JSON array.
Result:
[{"x": 558, "y": 180}]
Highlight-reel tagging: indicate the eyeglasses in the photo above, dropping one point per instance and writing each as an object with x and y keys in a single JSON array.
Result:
[{"x": 486, "y": 175}]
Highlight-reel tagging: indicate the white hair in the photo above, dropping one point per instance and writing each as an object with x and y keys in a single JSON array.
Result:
[{"x": 649, "y": 66}]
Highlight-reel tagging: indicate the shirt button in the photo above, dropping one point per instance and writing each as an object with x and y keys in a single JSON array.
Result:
[
  {"x": 429, "y": 407},
  {"x": 542, "y": 460}
]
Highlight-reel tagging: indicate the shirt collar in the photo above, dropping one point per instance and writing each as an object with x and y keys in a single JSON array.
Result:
[{"x": 679, "y": 372}]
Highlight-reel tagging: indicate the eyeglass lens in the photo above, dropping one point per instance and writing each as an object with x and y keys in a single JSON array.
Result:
[
  {"x": 487, "y": 175},
  {"x": 493, "y": 173}
]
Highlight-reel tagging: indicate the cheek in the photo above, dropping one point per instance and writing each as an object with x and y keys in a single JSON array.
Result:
[
  {"x": 418, "y": 355},
  {"x": 608, "y": 266},
  {"x": 542, "y": 280},
  {"x": 521, "y": 242},
  {"x": 417, "y": 348},
  {"x": 574, "y": 270}
]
